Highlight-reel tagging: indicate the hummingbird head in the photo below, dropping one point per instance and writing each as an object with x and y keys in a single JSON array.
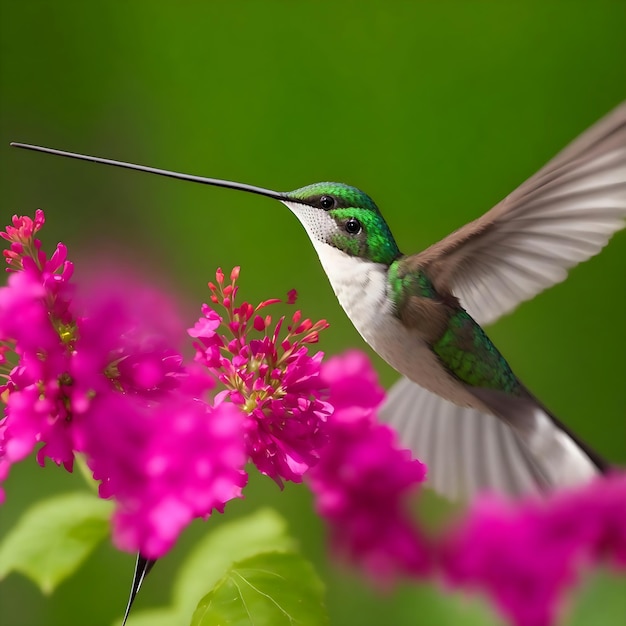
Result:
[
  {"x": 335, "y": 216},
  {"x": 344, "y": 218}
]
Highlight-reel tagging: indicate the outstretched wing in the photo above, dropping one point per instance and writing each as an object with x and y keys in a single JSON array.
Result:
[{"x": 561, "y": 216}]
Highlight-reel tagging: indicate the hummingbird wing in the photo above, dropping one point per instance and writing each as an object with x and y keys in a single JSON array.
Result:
[
  {"x": 466, "y": 451},
  {"x": 524, "y": 450},
  {"x": 561, "y": 216}
]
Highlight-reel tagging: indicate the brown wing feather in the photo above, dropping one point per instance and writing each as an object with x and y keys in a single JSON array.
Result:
[{"x": 561, "y": 216}]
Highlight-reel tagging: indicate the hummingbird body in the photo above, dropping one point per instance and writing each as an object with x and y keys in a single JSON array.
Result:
[
  {"x": 430, "y": 339},
  {"x": 374, "y": 305}
]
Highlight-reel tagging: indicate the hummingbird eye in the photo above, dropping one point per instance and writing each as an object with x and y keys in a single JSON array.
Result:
[
  {"x": 327, "y": 202},
  {"x": 353, "y": 227}
]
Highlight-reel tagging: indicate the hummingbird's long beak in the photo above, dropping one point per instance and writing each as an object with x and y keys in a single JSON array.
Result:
[{"x": 216, "y": 182}]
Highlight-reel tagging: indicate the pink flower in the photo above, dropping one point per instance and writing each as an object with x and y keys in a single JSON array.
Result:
[
  {"x": 161, "y": 452},
  {"x": 21, "y": 236},
  {"x": 526, "y": 554},
  {"x": 270, "y": 376},
  {"x": 363, "y": 480},
  {"x": 98, "y": 371},
  {"x": 24, "y": 315},
  {"x": 36, "y": 334},
  {"x": 164, "y": 464}
]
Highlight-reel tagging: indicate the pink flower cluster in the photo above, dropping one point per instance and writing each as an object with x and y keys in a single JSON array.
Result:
[
  {"x": 363, "y": 481},
  {"x": 525, "y": 555},
  {"x": 164, "y": 464},
  {"x": 360, "y": 478},
  {"x": 36, "y": 325},
  {"x": 270, "y": 376},
  {"x": 98, "y": 372}
]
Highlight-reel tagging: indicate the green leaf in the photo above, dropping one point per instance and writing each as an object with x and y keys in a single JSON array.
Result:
[
  {"x": 80, "y": 463},
  {"x": 598, "y": 599},
  {"x": 271, "y": 589},
  {"x": 262, "y": 531},
  {"x": 53, "y": 537}
]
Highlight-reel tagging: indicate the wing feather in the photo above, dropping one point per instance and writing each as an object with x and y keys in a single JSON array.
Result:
[
  {"x": 560, "y": 217},
  {"x": 466, "y": 451}
]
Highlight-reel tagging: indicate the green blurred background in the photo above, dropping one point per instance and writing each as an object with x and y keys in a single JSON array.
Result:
[{"x": 438, "y": 110}]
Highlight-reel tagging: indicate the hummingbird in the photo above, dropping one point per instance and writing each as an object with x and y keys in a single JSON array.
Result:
[{"x": 459, "y": 406}]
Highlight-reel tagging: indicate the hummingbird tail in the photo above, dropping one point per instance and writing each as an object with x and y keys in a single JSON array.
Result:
[
  {"x": 561, "y": 457},
  {"x": 142, "y": 569},
  {"x": 525, "y": 449}
]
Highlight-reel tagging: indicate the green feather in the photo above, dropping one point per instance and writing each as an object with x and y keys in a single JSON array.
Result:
[
  {"x": 469, "y": 354},
  {"x": 403, "y": 285},
  {"x": 378, "y": 244}
]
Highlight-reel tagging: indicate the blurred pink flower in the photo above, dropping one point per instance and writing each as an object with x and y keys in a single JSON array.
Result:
[
  {"x": 526, "y": 554},
  {"x": 164, "y": 464},
  {"x": 363, "y": 481},
  {"x": 270, "y": 376},
  {"x": 98, "y": 371}
]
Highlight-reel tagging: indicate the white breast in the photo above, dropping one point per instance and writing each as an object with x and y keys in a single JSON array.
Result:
[{"x": 362, "y": 290}]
